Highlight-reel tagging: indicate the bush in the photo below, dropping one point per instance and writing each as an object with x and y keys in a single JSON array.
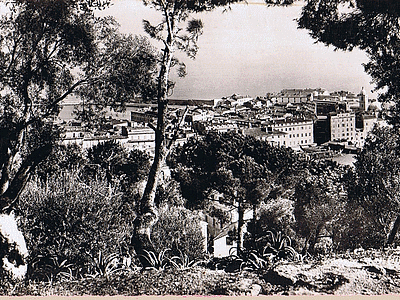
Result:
[
  {"x": 277, "y": 216},
  {"x": 179, "y": 229},
  {"x": 67, "y": 223},
  {"x": 358, "y": 229}
]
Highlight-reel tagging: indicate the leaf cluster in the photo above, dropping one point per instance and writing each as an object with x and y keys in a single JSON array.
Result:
[
  {"x": 372, "y": 26},
  {"x": 237, "y": 166}
]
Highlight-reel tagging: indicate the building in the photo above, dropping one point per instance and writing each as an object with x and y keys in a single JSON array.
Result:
[
  {"x": 292, "y": 132},
  {"x": 343, "y": 127},
  {"x": 365, "y": 123},
  {"x": 143, "y": 117},
  {"x": 289, "y": 132},
  {"x": 224, "y": 242},
  {"x": 292, "y": 96},
  {"x": 363, "y": 100}
]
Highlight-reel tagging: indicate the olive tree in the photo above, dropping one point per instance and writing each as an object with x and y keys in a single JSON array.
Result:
[{"x": 48, "y": 51}]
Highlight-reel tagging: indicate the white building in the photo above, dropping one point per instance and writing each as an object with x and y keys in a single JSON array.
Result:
[
  {"x": 293, "y": 133},
  {"x": 343, "y": 127},
  {"x": 368, "y": 123}
]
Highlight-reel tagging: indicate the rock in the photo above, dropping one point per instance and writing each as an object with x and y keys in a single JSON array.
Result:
[
  {"x": 317, "y": 278},
  {"x": 13, "y": 250},
  {"x": 279, "y": 277},
  {"x": 255, "y": 290},
  {"x": 375, "y": 269}
]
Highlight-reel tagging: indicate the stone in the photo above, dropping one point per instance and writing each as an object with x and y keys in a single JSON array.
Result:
[{"x": 13, "y": 250}]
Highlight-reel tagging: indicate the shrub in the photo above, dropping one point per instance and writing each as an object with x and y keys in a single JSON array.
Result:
[
  {"x": 277, "y": 216},
  {"x": 67, "y": 222},
  {"x": 179, "y": 230},
  {"x": 358, "y": 229}
]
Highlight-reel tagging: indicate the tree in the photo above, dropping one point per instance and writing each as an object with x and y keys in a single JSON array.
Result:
[
  {"x": 375, "y": 185},
  {"x": 177, "y": 32},
  {"x": 117, "y": 162},
  {"x": 49, "y": 50},
  {"x": 320, "y": 201},
  {"x": 245, "y": 171},
  {"x": 372, "y": 26}
]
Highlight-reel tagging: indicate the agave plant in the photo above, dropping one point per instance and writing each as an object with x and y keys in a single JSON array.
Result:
[
  {"x": 50, "y": 268},
  {"x": 183, "y": 262},
  {"x": 157, "y": 262},
  {"x": 255, "y": 262},
  {"x": 104, "y": 266},
  {"x": 279, "y": 247}
]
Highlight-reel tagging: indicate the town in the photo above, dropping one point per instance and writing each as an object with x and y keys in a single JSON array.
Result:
[{"x": 314, "y": 122}]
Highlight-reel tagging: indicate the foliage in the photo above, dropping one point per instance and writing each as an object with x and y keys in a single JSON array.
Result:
[
  {"x": 50, "y": 50},
  {"x": 117, "y": 162},
  {"x": 156, "y": 261},
  {"x": 179, "y": 229},
  {"x": 375, "y": 185},
  {"x": 67, "y": 221},
  {"x": 62, "y": 158},
  {"x": 276, "y": 215},
  {"x": 242, "y": 169},
  {"x": 200, "y": 164},
  {"x": 280, "y": 247},
  {"x": 105, "y": 266},
  {"x": 183, "y": 262},
  {"x": 320, "y": 200},
  {"x": 372, "y": 26}
]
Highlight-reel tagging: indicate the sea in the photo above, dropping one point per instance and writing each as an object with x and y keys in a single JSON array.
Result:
[{"x": 67, "y": 114}]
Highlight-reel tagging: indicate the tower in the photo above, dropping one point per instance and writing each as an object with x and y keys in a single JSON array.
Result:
[{"x": 363, "y": 99}]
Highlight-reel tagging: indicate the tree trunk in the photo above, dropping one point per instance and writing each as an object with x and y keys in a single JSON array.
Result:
[
  {"x": 315, "y": 238},
  {"x": 393, "y": 232},
  {"x": 147, "y": 212},
  {"x": 15, "y": 187},
  {"x": 240, "y": 227},
  {"x": 13, "y": 250}
]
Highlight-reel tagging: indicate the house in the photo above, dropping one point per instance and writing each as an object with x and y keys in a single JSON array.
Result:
[{"x": 224, "y": 241}]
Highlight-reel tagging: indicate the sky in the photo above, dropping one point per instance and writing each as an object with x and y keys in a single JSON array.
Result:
[{"x": 251, "y": 50}]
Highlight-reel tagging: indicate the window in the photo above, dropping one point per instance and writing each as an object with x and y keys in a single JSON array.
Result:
[{"x": 297, "y": 135}]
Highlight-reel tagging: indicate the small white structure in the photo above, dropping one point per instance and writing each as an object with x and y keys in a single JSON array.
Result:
[
  {"x": 225, "y": 243},
  {"x": 225, "y": 240}
]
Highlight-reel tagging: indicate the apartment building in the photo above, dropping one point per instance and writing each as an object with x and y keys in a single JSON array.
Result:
[
  {"x": 343, "y": 127},
  {"x": 289, "y": 132},
  {"x": 292, "y": 133}
]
